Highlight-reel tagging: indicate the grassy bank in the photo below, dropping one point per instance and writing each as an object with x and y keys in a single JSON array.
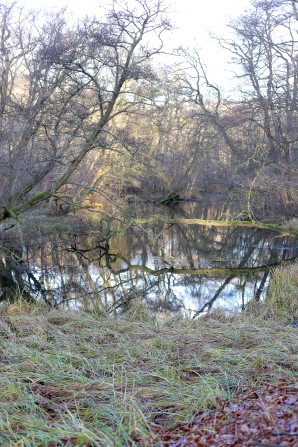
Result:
[{"x": 76, "y": 379}]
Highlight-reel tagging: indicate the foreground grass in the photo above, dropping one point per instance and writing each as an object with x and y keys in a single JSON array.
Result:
[{"x": 76, "y": 379}]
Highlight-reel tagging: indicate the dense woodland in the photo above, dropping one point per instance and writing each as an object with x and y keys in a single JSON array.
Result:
[{"x": 88, "y": 110}]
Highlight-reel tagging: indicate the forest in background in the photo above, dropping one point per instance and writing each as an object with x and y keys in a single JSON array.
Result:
[{"x": 88, "y": 111}]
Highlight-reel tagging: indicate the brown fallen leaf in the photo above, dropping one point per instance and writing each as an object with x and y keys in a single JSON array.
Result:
[{"x": 264, "y": 417}]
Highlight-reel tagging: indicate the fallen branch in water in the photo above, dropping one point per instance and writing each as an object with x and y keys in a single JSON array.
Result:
[
  {"x": 283, "y": 230},
  {"x": 205, "y": 271}
]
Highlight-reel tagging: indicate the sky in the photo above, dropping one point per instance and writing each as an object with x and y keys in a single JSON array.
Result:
[{"x": 193, "y": 19}]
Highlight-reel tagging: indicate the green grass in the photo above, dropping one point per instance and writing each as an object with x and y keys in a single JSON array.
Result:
[{"x": 76, "y": 379}]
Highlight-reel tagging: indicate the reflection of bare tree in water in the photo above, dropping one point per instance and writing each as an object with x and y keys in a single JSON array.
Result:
[
  {"x": 11, "y": 286},
  {"x": 82, "y": 270},
  {"x": 251, "y": 247},
  {"x": 28, "y": 273},
  {"x": 247, "y": 248},
  {"x": 15, "y": 278}
]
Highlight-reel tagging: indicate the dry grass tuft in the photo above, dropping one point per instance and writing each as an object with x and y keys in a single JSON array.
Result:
[
  {"x": 283, "y": 291},
  {"x": 281, "y": 302}
]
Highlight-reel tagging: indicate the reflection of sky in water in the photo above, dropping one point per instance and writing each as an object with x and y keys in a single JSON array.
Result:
[{"x": 79, "y": 272}]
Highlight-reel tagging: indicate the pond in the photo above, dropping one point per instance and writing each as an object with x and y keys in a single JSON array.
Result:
[{"x": 186, "y": 268}]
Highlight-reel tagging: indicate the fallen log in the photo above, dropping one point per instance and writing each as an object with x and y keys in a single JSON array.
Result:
[{"x": 283, "y": 230}]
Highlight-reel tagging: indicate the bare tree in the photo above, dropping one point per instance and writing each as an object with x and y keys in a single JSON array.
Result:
[
  {"x": 66, "y": 86},
  {"x": 259, "y": 128},
  {"x": 266, "y": 50}
]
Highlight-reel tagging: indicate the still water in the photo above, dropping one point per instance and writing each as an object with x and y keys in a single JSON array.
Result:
[{"x": 187, "y": 268}]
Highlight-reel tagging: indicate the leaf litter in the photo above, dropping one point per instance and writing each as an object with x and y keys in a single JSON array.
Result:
[{"x": 266, "y": 416}]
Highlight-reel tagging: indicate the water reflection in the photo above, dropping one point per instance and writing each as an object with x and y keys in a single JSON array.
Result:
[{"x": 191, "y": 268}]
